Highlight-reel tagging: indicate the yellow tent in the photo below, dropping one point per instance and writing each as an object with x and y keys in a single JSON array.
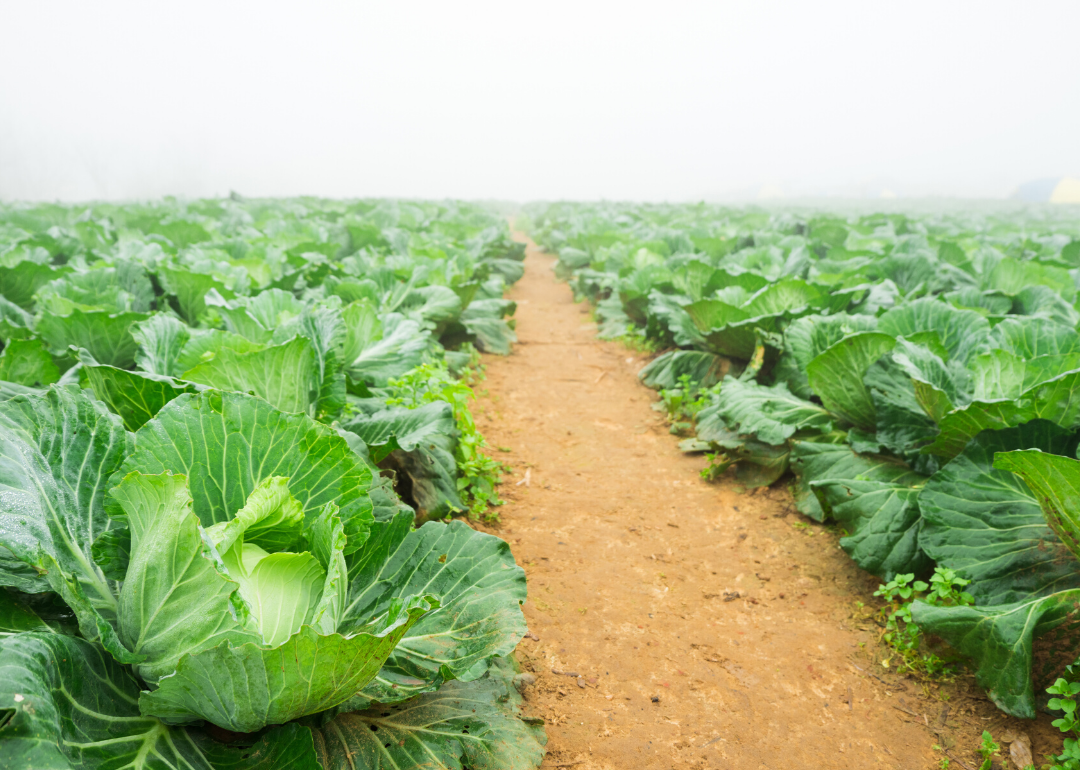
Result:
[{"x": 1058, "y": 190}]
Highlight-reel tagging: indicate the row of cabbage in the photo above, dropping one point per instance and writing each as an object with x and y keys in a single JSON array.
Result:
[
  {"x": 220, "y": 423},
  {"x": 919, "y": 375}
]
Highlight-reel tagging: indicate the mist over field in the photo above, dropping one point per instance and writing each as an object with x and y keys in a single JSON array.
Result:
[{"x": 536, "y": 101}]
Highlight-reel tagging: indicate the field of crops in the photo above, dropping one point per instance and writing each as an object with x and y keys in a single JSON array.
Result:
[
  {"x": 220, "y": 421},
  {"x": 241, "y": 484},
  {"x": 917, "y": 377}
]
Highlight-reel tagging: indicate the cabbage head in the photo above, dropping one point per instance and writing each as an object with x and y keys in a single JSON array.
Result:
[{"x": 233, "y": 566}]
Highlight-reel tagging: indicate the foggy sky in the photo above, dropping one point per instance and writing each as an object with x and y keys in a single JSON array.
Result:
[{"x": 536, "y": 100}]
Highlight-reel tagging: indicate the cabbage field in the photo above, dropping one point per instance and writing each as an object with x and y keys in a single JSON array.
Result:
[
  {"x": 917, "y": 375},
  {"x": 221, "y": 422}
]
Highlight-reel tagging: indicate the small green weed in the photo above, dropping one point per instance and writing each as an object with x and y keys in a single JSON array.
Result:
[
  {"x": 685, "y": 401},
  {"x": 943, "y": 763},
  {"x": 682, "y": 404},
  {"x": 902, "y": 634},
  {"x": 474, "y": 371},
  {"x": 988, "y": 749},
  {"x": 636, "y": 341},
  {"x": 1066, "y": 689},
  {"x": 718, "y": 463}
]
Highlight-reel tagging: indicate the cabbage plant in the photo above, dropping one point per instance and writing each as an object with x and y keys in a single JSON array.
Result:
[{"x": 231, "y": 586}]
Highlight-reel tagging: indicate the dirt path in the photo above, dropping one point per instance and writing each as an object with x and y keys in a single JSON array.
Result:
[{"x": 709, "y": 629}]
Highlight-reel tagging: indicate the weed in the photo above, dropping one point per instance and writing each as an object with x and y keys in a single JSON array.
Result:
[
  {"x": 988, "y": 749},
  {"x": 902, "y": 634},
  {"x": 682, "y": 404},
  {"x": 718, "y": 463},
  {"x": 945, "y": 591},
  {"x": 1066, "y": 690},
  {"x": 636, "y": 341}
]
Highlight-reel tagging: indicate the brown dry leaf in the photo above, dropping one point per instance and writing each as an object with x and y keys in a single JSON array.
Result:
[{"x": 1020, "y": 751}]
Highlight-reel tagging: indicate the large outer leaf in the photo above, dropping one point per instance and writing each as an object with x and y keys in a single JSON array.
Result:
[
  {"x": 401, "y": 348},
  {"x": 1031, "y": 337},
  {"x": 464, "y": 725},
  {"x": 493, "y": 335},
  {"x": 812, "y": 460},
  {"x": 57, "y": 452},
  {"x": 434, "y": 304},
  {"x": 1012, "y": 276},
  {"x": 19, "y": 283},
  {"x": 289, "y": 747},
  {"x": 1046, "y": 304},
  {"x": 190, "y": 290},
  {"x": 837, "y": 376},
  {"x": 161, "y": 337},
  {"x": 204, "y": 344},
  {"x": 1056, "y": 400},
  {"x": 964, "y": 333},
  {"x": 287, "y": 376},
  {"x": 124, "y": 287},
  {"x": 873, "y": 496},
  {"x": 26, "y": 362},
  {"x": 1055, "y": 480},
  {"x": 902, "y": 424},
  {"x": 257, "y": 317},
  {"x": 324, "y": 327},
  {"x": 227, "y": 443},
  {"x": 362, "y": 328},
  {"x": 612, "y": 320},
  {"x": 959, "y": 426},
  {"x": 16, "y": 617},
  {"x": 406, "y": 428},
  {"x": 697, "y": 279},
  {"x": 936, "y": 386},
  {"x": 106, "y": 335},
  {"x": 882, "y": 518},
  {"x": 987, "y": 524},
  {"x": 664, "y": 371},
  {"x": 720, "y": 323},
  {"x": 174, "y": 600},
  {"x": 807, "y": 337},
  {"x": 248, "y": 687},
  {"x": 15, "y": 323},
  {"x": 1000, "y": 640},
  {"x": 759, "y": 464},
  {"x": 785, "y": 296},
  {"x": 1001, "y": 374},
  {"x": 135, "y": 396},
  {"x": 666, "y": 310},
  {"x": 427, "y": 476},
  {"x": 480, "y": 587},
  {"x": 773, "y": 414},
  {"x": 72, "y": 706}
]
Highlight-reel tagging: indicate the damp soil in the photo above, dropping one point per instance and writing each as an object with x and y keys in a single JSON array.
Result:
[{"x": 679, "y": 623}]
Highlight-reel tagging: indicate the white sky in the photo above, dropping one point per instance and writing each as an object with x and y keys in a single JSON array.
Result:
[{"x": 662, "y": 100}]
